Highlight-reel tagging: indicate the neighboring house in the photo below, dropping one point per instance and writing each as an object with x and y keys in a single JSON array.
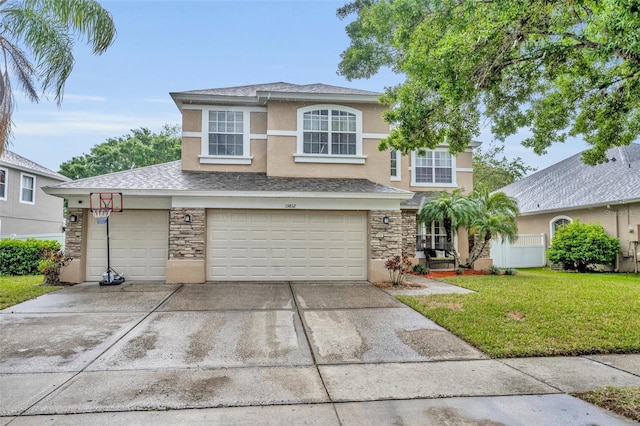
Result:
[
  {"x": 607, "y": 193},
  {"x": 24, "y": 208},
  {"x": 276, "y": 182}
]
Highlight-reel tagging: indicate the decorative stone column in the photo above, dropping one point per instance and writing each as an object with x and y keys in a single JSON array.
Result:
[
  {"x": 409, "y": 233},
  {"x": 186, "y": 263},
  {"x": 385, "y": 240},
  {"x": 75, "y": 271}
]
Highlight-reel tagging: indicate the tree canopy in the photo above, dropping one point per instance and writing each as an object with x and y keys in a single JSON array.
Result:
[
  {"x": 557, "y": 68},
  {"x": 138, "y": 149},
  {"x": 36, "y": 45},
  {"x": 491, "y": 172}
]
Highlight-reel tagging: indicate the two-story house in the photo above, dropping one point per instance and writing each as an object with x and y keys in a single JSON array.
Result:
[
  {"x": 24, "y": 208},
  {"x": 277, "y": 182}
]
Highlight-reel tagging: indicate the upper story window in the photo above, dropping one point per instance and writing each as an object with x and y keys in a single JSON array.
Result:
[
  {"x": 3, "y": 183},
  {"x": 395, "y": 164},
  {"x": 27, "y": 188},
  {"x": 329, "y": 134},
  {"x": 433, "y": 168},
  {"x": 225, "y": 135}
]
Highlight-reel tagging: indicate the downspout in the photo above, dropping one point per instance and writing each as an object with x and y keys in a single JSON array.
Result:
[{"x": 616, "y": 267}]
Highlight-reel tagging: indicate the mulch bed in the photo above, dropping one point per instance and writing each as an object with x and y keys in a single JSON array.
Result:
[
  {"x": 433, "y": 274},
  {"x": 406, "y": 286}
]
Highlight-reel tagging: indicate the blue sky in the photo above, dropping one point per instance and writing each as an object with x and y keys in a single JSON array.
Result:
[{"x": 166, "y": 46}]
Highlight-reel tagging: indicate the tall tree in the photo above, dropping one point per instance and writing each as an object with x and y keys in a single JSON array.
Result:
[
  {"x": 491, "y": 172},
  {"x": 560, "y": 68},
  {"x": 36, "y": 46},
  {"x": 452, "y": 210},
  {"x": 496, "y": 218},
  {"x": 138, "y": 149}
]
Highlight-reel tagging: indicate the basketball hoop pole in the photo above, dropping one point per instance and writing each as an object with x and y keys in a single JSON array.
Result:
[
  {"x": 102, "y": 204},
  {"x": 109, "y": 280}
]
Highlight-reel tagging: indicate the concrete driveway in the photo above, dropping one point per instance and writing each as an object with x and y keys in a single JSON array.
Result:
[{"x": 276, "y": 353}]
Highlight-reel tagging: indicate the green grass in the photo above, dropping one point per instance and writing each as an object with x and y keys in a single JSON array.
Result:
[
  {"x": 14, "y": 290},
  {"x": 622, "y": 401},
  {"x": 540, "y": 312}
]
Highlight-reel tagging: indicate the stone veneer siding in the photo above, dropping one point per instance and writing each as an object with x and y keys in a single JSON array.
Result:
[
  {"x": 385, "y": 240},
  {"x": 73, "y": 233},
  {"x": 409, "y": 233},
  {"x": 186, "y": 239}
]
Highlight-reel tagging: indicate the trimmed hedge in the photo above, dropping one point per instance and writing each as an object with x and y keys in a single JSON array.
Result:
[{"x": 21, "y": 257}]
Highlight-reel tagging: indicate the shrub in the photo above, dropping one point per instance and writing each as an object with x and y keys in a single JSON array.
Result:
[
  {"x": 580, "y": 246},
  {"x": 510, "y": 271},
  {"x": 459, "y": 271},
  {"x": 398, "y": 267},
  {"x": 53, "y": 259},
  {"x": 420, "y": 269},
  {"x": 18, "y": 257},
  {"x": 493, "y": 270}
]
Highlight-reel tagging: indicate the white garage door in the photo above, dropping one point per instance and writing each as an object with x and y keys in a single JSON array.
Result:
[
  {"x": 139, "y": 241},
  {"x": 286, "y": 245}
]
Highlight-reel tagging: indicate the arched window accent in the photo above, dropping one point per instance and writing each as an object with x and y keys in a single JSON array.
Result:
[
  {"x": 329, "y": 133},
  {"x": 557, "y": 222}
]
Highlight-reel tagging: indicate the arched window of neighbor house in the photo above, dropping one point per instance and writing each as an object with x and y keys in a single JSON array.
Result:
[{"x": 557, "y": 222}]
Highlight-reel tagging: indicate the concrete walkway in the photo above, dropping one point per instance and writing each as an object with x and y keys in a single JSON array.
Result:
[{"x": 272, "y": 353}]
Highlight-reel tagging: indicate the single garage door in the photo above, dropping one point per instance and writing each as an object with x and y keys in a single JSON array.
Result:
[
  {"x": 139, "y": 241},
  {"x": 286, "y": 245}
]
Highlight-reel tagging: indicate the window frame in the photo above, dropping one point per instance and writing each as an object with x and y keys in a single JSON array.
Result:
[
  {"x": 398, "y": 159},
  {"x": 301, "y": 157},
  {"x": 452, "y": 184},
  {"x": 5, "y": 184},
  {"x": 245, "y": 158},
  {"x": 552, "y": 222},
  {"x": 434, "y": 235},
  {"x": 22, "y": 188}
]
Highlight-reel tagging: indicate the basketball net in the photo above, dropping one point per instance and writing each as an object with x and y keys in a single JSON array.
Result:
[{"x": 101, "y": 215}]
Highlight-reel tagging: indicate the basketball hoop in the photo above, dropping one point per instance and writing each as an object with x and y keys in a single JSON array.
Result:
[{"x": 101, "y": 215}]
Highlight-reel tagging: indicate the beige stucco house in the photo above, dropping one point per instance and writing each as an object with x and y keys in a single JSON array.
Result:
[
  {"x": 607, "y": 193},
  {"x": 24, "y": 208},
  {"x": 277, "y": 182}
]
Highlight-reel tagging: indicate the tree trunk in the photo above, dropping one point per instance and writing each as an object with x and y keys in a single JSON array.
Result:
[{"x": 477, "y": 250}]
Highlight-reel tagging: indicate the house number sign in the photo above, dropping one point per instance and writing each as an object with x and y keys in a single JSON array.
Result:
[{"x": 290, "y": 206}]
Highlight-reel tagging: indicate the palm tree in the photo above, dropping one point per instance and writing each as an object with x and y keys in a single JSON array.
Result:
[
  {"x": 452, "y": 210},
  {"x": 45, "y": 30},
  {"x": 496, "y": 218}
]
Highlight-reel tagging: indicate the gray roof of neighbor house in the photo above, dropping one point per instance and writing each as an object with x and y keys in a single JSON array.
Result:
[
  {"x": 260, "y": 93},
  {"x": 571, "y": 184},
  {"x": 168, "y": 178},
  {"x": 11, "y": 159}
]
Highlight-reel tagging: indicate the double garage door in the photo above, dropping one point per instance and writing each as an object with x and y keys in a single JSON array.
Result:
[
  {"x": 242, "y": 245},
  {"x": 286, "y": 245}
]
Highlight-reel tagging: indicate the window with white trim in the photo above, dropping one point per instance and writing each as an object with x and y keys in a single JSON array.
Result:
[
  {"x": 436, "y": 168},
  {"x": 329, "y": 134},
  {"x": 431, "y": 236},
  {"x": 556, "y": 223},
  {"x": 396, "y": 164},
  {"x": 225, "y": 135},
  {"x": 329, "y": 131},
  {"x": 27, "y": 188},
  {"x": 4, "y": 173},
  {"x": 226, "y": 132}
]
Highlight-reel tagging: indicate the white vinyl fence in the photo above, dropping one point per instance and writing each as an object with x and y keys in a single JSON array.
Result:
[
  {"x": 528, "y": 251},
  {"x": 59, "y": 237}
]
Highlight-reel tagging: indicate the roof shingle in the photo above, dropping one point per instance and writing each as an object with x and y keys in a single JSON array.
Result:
[
  {"x": 170, "y": 177},
  {"x": 10, "y": 158},
  {"x": 572, "y": 184},
  {"x": 282, "y": 87}
]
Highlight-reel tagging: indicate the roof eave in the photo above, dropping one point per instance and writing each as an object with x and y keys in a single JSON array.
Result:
[
  {"x": 34, "y": 172},
  {"x": 181, "y": 98},
  {"x": 63, "y": 192},
  {"x": 582, "y": 207}
]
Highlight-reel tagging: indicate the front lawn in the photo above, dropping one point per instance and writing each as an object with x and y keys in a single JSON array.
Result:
[
  {"x": 540, "y": 312},
  {"x": 14, "y": 290}
]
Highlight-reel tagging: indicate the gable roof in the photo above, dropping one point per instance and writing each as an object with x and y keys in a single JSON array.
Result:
[
  {"x": 261, "y": 93},
  {"x": 13, "y": 160},
  {"x": 169, "y": 179},
  {"x": 571, "y": 184}
]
